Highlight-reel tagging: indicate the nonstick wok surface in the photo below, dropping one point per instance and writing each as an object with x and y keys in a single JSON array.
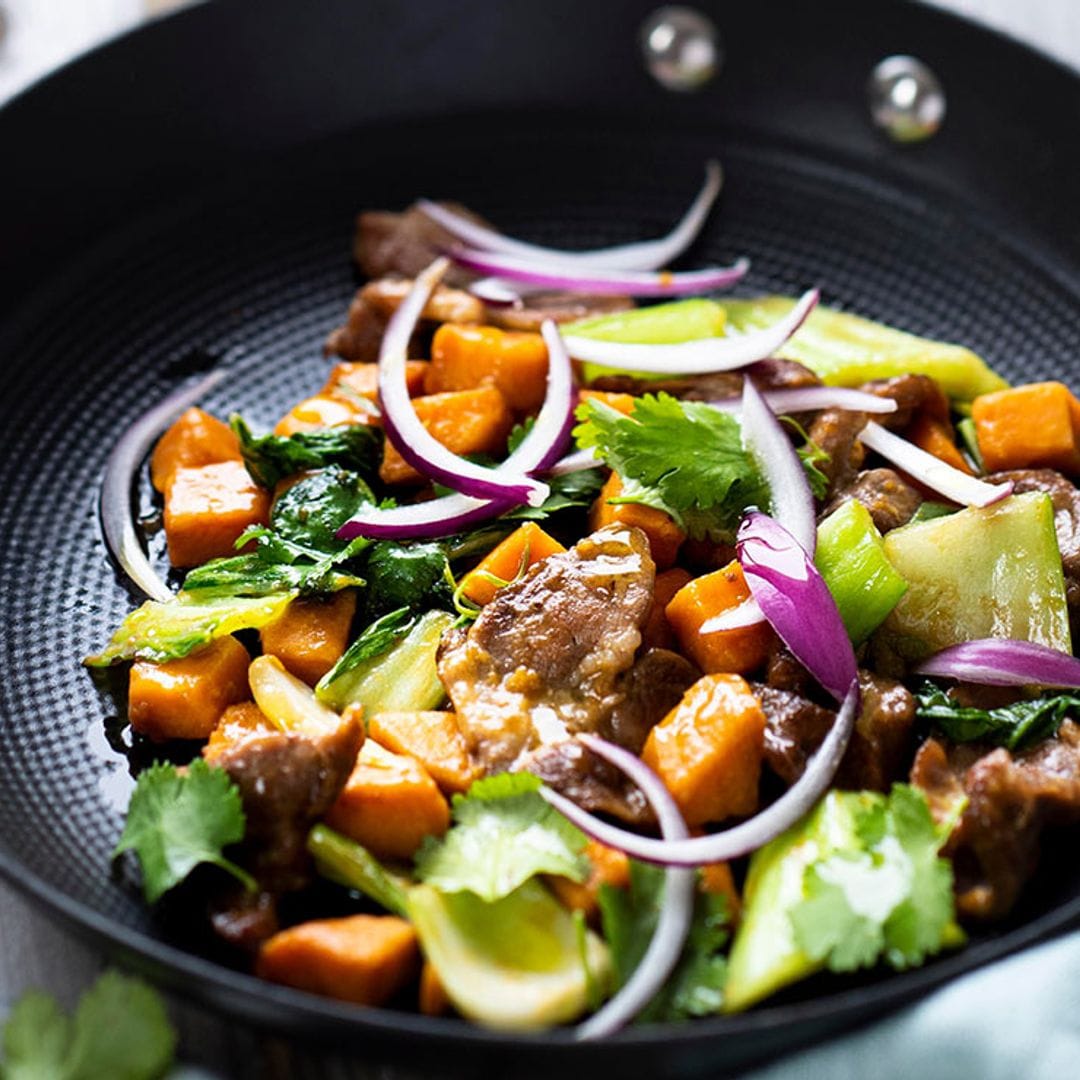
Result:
[{"x": 173, "y": 240}]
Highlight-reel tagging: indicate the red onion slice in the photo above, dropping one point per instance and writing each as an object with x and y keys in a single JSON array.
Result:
[
  {"x": 409, "y": 436},
  {"x": 600, "y": 282},
  {"x": 676, "y": 913},
  {"x": 696, "y": 357},
  {"x": 578, "y": 461},
  {"x": 539, "y": 450},
  {"x": 642, "y": 255},
  {"x": 769, "y": 446},
  {"x": 739, "y": 840},
  {"x": 1004, "y": 662},
  {"x": 955, "y": 485},
  {"x": 737, "y": 618},
  {"x": 812, "y": 398},
  {"x": 796, "y": 601}
]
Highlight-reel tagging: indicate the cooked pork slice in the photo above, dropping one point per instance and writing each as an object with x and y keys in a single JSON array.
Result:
[
  {"x": 388, "y": 244},
  {"x": 544, "y": 659},
  {"x": 1010, "y": 800}
]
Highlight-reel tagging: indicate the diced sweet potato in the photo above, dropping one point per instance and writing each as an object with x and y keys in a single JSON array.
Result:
[
  {"x": 310, "y": 635},
  {"x": 463, "y": 357},
  {"x": 320, "y": 411},
  {"x": 665, "y": 537},
  {"x": 934, "y": 436},
  {"x": 623, "y": 403},
  {"x": 717, "y": 879},
  {"x": 708, "y": 749},
  {"x": 433, "y": 999},
  {"x": 195, "y": 439},
  {"x": 445, "y": 305},
  {"x": 740, "y": 650},
  {"x": 208, "y": 508},
  {"x": 365, "y": 959},
  {"x": 607, "y": 867},
  {"x": 238, "y": 722},
  {"x": 184, "y": 699},
  {"x": 433, "y": 738},
  {"x": 1029, "y": 427},
  {"x": 349, "y": 381},
  {"x": 657, "y": 632},
  {"x": 523, "y": 547},
  {"x": 466, "y": 422},
  {"x": 389, "y": 804}
]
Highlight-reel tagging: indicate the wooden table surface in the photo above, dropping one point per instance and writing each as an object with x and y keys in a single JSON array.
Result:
[{"x": 38, "y": 953}]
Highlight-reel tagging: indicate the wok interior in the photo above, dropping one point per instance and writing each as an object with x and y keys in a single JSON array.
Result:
[{"x": 255, "y": 274}]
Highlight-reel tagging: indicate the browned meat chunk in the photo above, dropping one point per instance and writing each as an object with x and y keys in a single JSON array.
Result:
[
  {"x": 1066, "y": 499},
  {"x": 784, "y": 672},
  {"x": 543, "y": 661},
  {"x": 560, "y": 307},
  {"x": 892, "y": 501},
  {"x": 766, "y": 375},
  {"x": 287, "y": 781},
  {"x": 387, "y": 244},
  {"x": 358, "y": 340},
  {"x": 648, "y": 692},
  {"x": 912, "y": 394},
  {"x": 836, "y": 431},
  {"x": 244, "y": 920},
  {"x": 880, "y": 744},
  {"x": 1011, "y": 798},
  {"x": 590, "y": 782}
]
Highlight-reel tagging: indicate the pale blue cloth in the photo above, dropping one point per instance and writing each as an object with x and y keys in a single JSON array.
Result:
[{"x": 1018, "y": 1019}]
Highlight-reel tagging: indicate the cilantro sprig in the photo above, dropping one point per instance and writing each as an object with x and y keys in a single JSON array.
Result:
[
  {"x": 120, "y": 1030},
  {"x": 683, "y": 457},
  {"x": 177, "y": 820},
  {"x": 503, "y": 834}
]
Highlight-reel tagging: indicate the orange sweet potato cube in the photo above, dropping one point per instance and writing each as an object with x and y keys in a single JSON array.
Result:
[
  {"x": 208, "y": 508},
  {"x": 657, "y": 632},
  {"x": 238, "y": 722},
  {"x": 708, "y": 749},
  {"x": 1029, "y": 427},
  {"x": 739, "y": 650},
  {"x": 184, "y": 699},
  {"x": 664, "y": 535},
  {"x": 515, "y": 361},
  {"x": 195, "y": 439},
  {"x": 432, "y": 999},
  {"x": 607, "y": 866},
  {"x": 465, "y": 421},
  {"x": 349, "y": 381},
  {"x": 525, "y": 546},
  {"x": 623, "y": 403},
  {"x": 320, "y": 411},
  {"x": 310, "y": 636},
  {"x": 365, "y": 959},
  {"x": 389, "y": 804},
  {"x": 433, "y": 738}
]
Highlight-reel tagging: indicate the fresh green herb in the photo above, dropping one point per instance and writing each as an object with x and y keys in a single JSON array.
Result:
[
  {"x": 629, "y": 917},
  {"x": 503, "y": 834},
  {"x": 683, "y": 457},
  {"x": 173, "y": 629},
  {"x": 568, "y": 492},
  {"x": 311, "y": 511},
  {"x": 413, "y": 576},
  {"x": 887, "y": 896},
  {"x": 928, "y": 510},
  {"x": 272, "y": 458},
  {"x": 1015, "y": 726},
  {"x": 969, "y": 434},
  {"x": 120, "y": 1030},
  {"x": 346, "y": 862},
  {"x": 518, "y": 433},
  {"x": 178, "y": 820}
]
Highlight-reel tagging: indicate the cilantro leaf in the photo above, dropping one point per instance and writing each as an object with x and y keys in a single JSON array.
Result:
[
  {"x": 178, "y": 820},
  {"x": 312, "y": 510},
  {"x": 888, "y": 894},
  {"x": 120, "y": 1030},
  {"x": 503, "y": 834},
  {"x": 629, "y": 917},
  {"x": 683, "y": 456},
  {"x": 272, "y": 458},
  {"x": 1015, "y": 726}
]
